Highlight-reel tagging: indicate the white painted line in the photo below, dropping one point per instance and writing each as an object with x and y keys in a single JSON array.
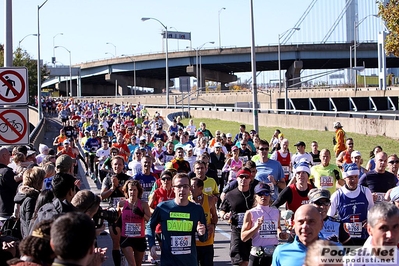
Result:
[{"x": 220, "y": 231}]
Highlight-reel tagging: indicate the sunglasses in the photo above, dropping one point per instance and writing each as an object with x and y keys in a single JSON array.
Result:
[
  {"x": 244, "y": 176},
  {"x": 350, "y": 143},
  {"x": 263, "y": 149},
  {"x": 166, "y": 178},
  {"x": 322, "y": 203},
  {"x": 392, "y": 162},
  {"x": 263, "y": 193}
]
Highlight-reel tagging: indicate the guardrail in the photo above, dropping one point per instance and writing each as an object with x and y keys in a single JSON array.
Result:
[{"x": 37, "y": 133}]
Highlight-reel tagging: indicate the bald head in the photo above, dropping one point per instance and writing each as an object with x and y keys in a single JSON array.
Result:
[
  {"x": 307, "y": 223},
  {"x": 4, "y": 156}
]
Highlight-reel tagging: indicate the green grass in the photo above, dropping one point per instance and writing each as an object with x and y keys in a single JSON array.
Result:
[{"x": 363, "y": 143}]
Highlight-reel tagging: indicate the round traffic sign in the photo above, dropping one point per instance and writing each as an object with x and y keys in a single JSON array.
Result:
[
  {"x": 15, "y": 86},
  {"x": 13, "y": 126}
]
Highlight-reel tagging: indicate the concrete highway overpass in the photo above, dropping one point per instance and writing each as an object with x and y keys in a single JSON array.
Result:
[{"x": 99, "y": 77}]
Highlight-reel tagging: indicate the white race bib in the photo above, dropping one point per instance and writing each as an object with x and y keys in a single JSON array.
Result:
[
  {"x": 286, "y": 170},
  {"x": 180, "y": 245},
  {"x": 268, "y": 229},
  {"x": 240, "y": 218},
  {"x": 326, "y": 182},
  {"x": 133, "y": 229},
  {"x": 354, "y": 229},
  {"x": 380, "y": 196},
  {"x": 115, "y": 201}
]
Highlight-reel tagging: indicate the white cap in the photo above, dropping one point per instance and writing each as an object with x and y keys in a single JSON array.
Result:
[
  {"x": 218, "y": 145},
  {"x": 355, "y": 154},
  {"x": 188, "y": 147},
  {"x": 228, "y": 135}
]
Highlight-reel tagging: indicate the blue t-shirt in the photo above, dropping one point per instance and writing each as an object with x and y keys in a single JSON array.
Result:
[
  {"x": 292, "y": 254},
  {"x": 146, "y": 182},
  {"x": 271, "y": 167}
]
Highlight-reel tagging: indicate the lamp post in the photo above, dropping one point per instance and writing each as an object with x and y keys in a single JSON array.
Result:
[
  {"x": 134, "y": 71},
  {"x": 113, "y": 46},
  {"x": 356, "y": 25},
  {"x": 279, "y": 67},
  {"x": 39, "y": 76},
  {"x": 166, "y": 58},
  {"x": 253, "y": 68},
  {"x": 54, "y": 46},
  {"x": 19, "y": 43},
  {"x": 70, "y": 69},
  {"x": 220, "y": 38},
  {"x": 198, "y": 55},
  {"x": 110, "y": 54}
]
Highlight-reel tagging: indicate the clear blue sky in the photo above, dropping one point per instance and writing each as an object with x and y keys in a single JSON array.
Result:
[{"x": 87, "y": 25}]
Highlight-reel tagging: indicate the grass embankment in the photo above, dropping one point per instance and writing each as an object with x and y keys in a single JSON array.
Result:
[{"x": 363, "y": 143}]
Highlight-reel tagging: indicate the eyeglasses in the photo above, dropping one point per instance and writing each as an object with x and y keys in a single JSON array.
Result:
[
  {"x": 166, "y": 178},
  {"x": 263, "y": 149},
  {"x": 322, "y": 203},
  {"x": 392, "y": 162},
  {"x": 185, "y": 186}
]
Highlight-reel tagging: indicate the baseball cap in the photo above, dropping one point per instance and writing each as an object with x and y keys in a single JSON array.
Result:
[
  {"x": 188, "y": 147},
  {"x": 318, "y": 193},
  {"x": 66, "y": 141},
  {"x": 355, "y": 154},
  {"x": 233, "y": 148},
  {"x": 337, "y": 124},
  {"x": 228, "y": 135},
  {"x": 64, "y": 163},
  {"x": 262, "y": 188},
  {"x": 244, "y": 172},
  {"x": 170, "y": 166},
  {"x": 218, "y": 145},
  {"x": 30, "y": 152},
  {"x": 300, "y": 143}
]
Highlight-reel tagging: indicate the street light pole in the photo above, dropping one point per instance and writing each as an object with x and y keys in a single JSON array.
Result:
[
  {"x": 253, "y": 67},
  {"x": 39, "y": 76},
  {"x": 54, "y": 46},
  {"x": 220, "y": 38},
  {"x": 19, "y": 43},
  {"x": 166, "y": 58},
  {"x": 110, "y": 54},
  {"x": 279, "y": 68},
  {"x": 134, "y": 71},
  {"x": 113, "y": 46},
  {"x": 70, "y": 69},
  {"x": 200, "y": 64}
]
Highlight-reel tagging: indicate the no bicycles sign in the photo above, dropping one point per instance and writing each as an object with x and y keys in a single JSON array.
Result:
[
  {"x": 14, "y": 126},
  {"x": 14, "y": 86}
]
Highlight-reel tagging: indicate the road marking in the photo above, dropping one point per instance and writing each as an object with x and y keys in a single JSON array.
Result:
[{"x": 223, "y": 233}]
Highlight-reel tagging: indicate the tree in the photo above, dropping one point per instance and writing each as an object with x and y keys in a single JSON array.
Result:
[
  {"x": 390, "y": 14},
  {"x": 23, "y": 59}
]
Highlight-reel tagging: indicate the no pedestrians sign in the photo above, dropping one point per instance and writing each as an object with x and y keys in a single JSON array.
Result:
[{"x": 14, "y": 86}]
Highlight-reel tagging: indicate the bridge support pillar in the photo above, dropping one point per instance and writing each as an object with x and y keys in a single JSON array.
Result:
[
  {"x": 120, "y": 81},
  {"x": 293, "y": 75},
  {"x": 212, "y": 75},
  {"x": 157, "y": 84}
]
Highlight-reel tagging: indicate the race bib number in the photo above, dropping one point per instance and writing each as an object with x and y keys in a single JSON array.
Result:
[
  {"x": 145, "y": 196},
  {"x": 133, "y": 229},
  {"x": 268, "y": 229},
  {"x": 354, "y": 229},
  {"x": 180, "y": 245},
  {"x": 286, "y": 170},
  {"x": 244, "y": 159},
  {"x": 326, "y": 182},
  {"x": 240, "y": 219},
  {"x": 207, "y": 189},
  {"x": 380, "y": 197}
]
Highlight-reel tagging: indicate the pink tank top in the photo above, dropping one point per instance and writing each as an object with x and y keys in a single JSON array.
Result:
[
  {"x": 235, "y": 164},
  {"x": 267, "y": 233},
  {"x": 132, "y": 224}
]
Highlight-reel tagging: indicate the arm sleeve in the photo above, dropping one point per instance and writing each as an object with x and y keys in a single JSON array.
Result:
[{"x": 283, "y": 197}]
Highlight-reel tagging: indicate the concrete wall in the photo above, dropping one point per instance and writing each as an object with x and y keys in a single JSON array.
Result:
[
  {"x": 267, "y": 99},
  {"x": 373, "y": 127}
]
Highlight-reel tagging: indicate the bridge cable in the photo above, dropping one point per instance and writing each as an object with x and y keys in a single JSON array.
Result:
[
  {"x": 299, "y": 22},
  {"x": 337, "y": 21}
]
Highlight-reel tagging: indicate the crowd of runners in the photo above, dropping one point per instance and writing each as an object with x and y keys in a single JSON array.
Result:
[{"x": 169, "y": 184}]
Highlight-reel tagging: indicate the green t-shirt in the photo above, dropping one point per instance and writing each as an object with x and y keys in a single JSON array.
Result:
[{"x": 325, "y": 177}]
